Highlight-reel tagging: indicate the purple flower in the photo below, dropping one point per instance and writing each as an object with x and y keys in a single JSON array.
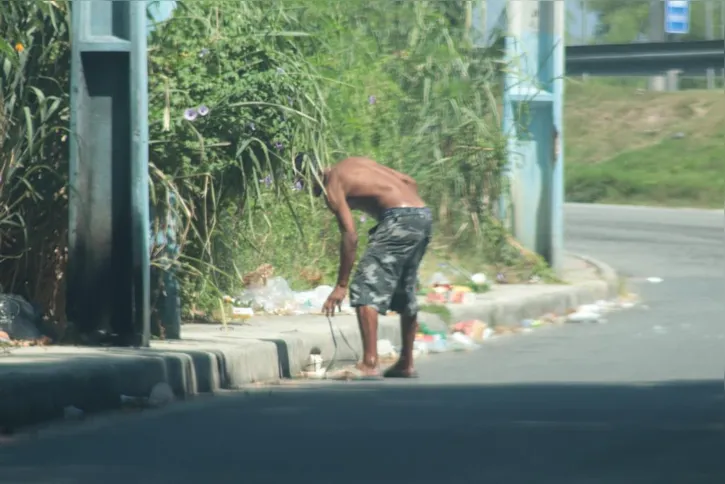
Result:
[
  {"x": 278, "y": 145},
  {"x": 372, "y": 100},
  {"x": 190, "y": 114},
  {"x": 297, "y": 186},
  {"x": 267, "y": 180},
  {"x": 203, "y": 52},
  {"x": 203, "y": 110},
  {"x": 280, "y": 71}
]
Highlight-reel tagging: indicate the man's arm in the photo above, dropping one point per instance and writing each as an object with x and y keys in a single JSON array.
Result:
[{"x": 337, "y": 202}]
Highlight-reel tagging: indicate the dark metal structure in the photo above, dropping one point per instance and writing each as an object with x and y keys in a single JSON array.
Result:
[{"x": 645, "y": 59}]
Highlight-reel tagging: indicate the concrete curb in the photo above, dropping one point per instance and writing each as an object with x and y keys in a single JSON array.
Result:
[
  {"x": 605, "y": 271},
  {"x": 510, "y": 309},
  {"x": 37, "y": 384}
]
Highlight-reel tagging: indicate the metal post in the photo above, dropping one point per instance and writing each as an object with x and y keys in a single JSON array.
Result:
[
  {"x": 657, "y": 34},
  {"x": 556, "y": 254},
  {"x": 108, "y": 262},
  {"x": 140, "y": 172},
  {"x": 709, "y": 34},
  {"x": 533, "y": 94}
]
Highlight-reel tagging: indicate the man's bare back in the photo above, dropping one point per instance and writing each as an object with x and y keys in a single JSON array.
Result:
[{"x": 369, "y": 187}]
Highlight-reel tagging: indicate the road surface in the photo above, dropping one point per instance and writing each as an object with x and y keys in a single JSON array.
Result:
[{"x": 637, "y": 400}]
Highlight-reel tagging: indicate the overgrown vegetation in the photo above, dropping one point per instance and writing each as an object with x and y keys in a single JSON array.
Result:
[
  {"x": 237, "y": 90},
  {"x": 34, "y": 117},
  {"x": 629, "y": 145}
]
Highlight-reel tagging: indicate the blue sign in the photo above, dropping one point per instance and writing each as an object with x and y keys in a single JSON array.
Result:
[{"x": 677, "y": 17}]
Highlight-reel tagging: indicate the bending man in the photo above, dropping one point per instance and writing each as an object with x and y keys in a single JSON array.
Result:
[{"x": 387, "y": 274}]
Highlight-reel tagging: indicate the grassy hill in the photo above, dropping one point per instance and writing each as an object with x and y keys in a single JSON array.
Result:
[{"x": 626, "y": 145}]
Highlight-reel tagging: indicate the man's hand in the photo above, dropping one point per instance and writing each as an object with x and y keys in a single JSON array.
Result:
[{"x": 334, "y": 300}]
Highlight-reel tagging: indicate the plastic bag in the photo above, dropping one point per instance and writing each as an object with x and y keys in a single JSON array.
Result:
[
  {"x": 275, "y": 297},
  {"x": 312, "y": 301}
]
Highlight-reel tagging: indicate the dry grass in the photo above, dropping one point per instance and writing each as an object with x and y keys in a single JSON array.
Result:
[{"x": 603, "y": 121}]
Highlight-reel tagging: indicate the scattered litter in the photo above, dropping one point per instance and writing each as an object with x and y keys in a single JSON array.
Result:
[
  {"x": 430, "y": 323},
  {"x": 161, "y": 395},
  {"x": 73, "y": 413},
  {"x": 386, "y": 349},
  {"x": 475, "y": 329},
  {"x": 462, "y": 342},
  {"x": 479, "y": 278},
  {"x": 654, "y": 280},
  {"x": 242, "y": 313},
  {"x": 588, "y": 313},
  {"x": 19, "y": 319},
  {"x": 276, "y": 297},
  {"x": 315, "y": 362}
]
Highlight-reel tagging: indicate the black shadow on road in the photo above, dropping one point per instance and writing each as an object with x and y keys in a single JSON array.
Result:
[{"x": 399, "y": 433}]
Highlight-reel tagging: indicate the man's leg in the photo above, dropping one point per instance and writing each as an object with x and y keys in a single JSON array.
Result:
[
  {"x": 367, "y": 319},
  {"x": 404, "y": 368},
  {"x": 405, "y": 301}
]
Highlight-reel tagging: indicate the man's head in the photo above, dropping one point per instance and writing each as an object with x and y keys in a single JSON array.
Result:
[{"x": 308, "y": 172}]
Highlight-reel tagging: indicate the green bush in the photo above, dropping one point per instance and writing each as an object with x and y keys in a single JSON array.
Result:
[
  {"x": 232, "y": 100},
  {"x": 237, "y": 90}
]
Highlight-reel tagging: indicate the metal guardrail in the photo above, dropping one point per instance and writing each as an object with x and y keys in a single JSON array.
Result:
[{"x": 646, "y": 58}]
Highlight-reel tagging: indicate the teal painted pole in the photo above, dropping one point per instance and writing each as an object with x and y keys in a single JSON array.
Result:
[
  {"x": 140, "y": 171},
  {"x": 107, "y": 287},
  {"x": 533, "y": 90},
  {"x": 557, "y": 176}
]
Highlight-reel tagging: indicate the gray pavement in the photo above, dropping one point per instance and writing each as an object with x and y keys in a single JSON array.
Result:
[{"x": 636, "y": 400}]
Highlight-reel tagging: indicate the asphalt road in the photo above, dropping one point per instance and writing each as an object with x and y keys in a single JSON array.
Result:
[{"x": 636, "y": 400}]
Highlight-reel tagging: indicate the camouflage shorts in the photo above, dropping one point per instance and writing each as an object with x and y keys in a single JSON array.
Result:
[{"x": 386, "y": 277}]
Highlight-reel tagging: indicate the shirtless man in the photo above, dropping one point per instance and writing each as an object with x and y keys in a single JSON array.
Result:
[{"x": 386, "y": 275}]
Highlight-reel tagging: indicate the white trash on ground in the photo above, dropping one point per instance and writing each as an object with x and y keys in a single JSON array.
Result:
[
  {"x": 479, "y": 278},
  {"x": 278, "y": 298},
  {"x": 461, "y": 342},
  {"x": 587, "y": 313},
  {"x": 386, "y": 349},
  {"x": 161, "y": 395},
  {"x": 594, "y": 313}
]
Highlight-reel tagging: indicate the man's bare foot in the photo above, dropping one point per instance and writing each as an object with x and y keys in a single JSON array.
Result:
[
  {"x": 400, "y": 370},
  {"x": 366, "y": 372}
]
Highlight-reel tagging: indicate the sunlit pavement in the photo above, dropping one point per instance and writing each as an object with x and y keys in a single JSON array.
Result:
[{"x": 636, "y": 400}]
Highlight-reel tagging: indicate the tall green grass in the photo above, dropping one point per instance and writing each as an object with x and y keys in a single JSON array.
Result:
[{"x": 34, "y": 75}]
